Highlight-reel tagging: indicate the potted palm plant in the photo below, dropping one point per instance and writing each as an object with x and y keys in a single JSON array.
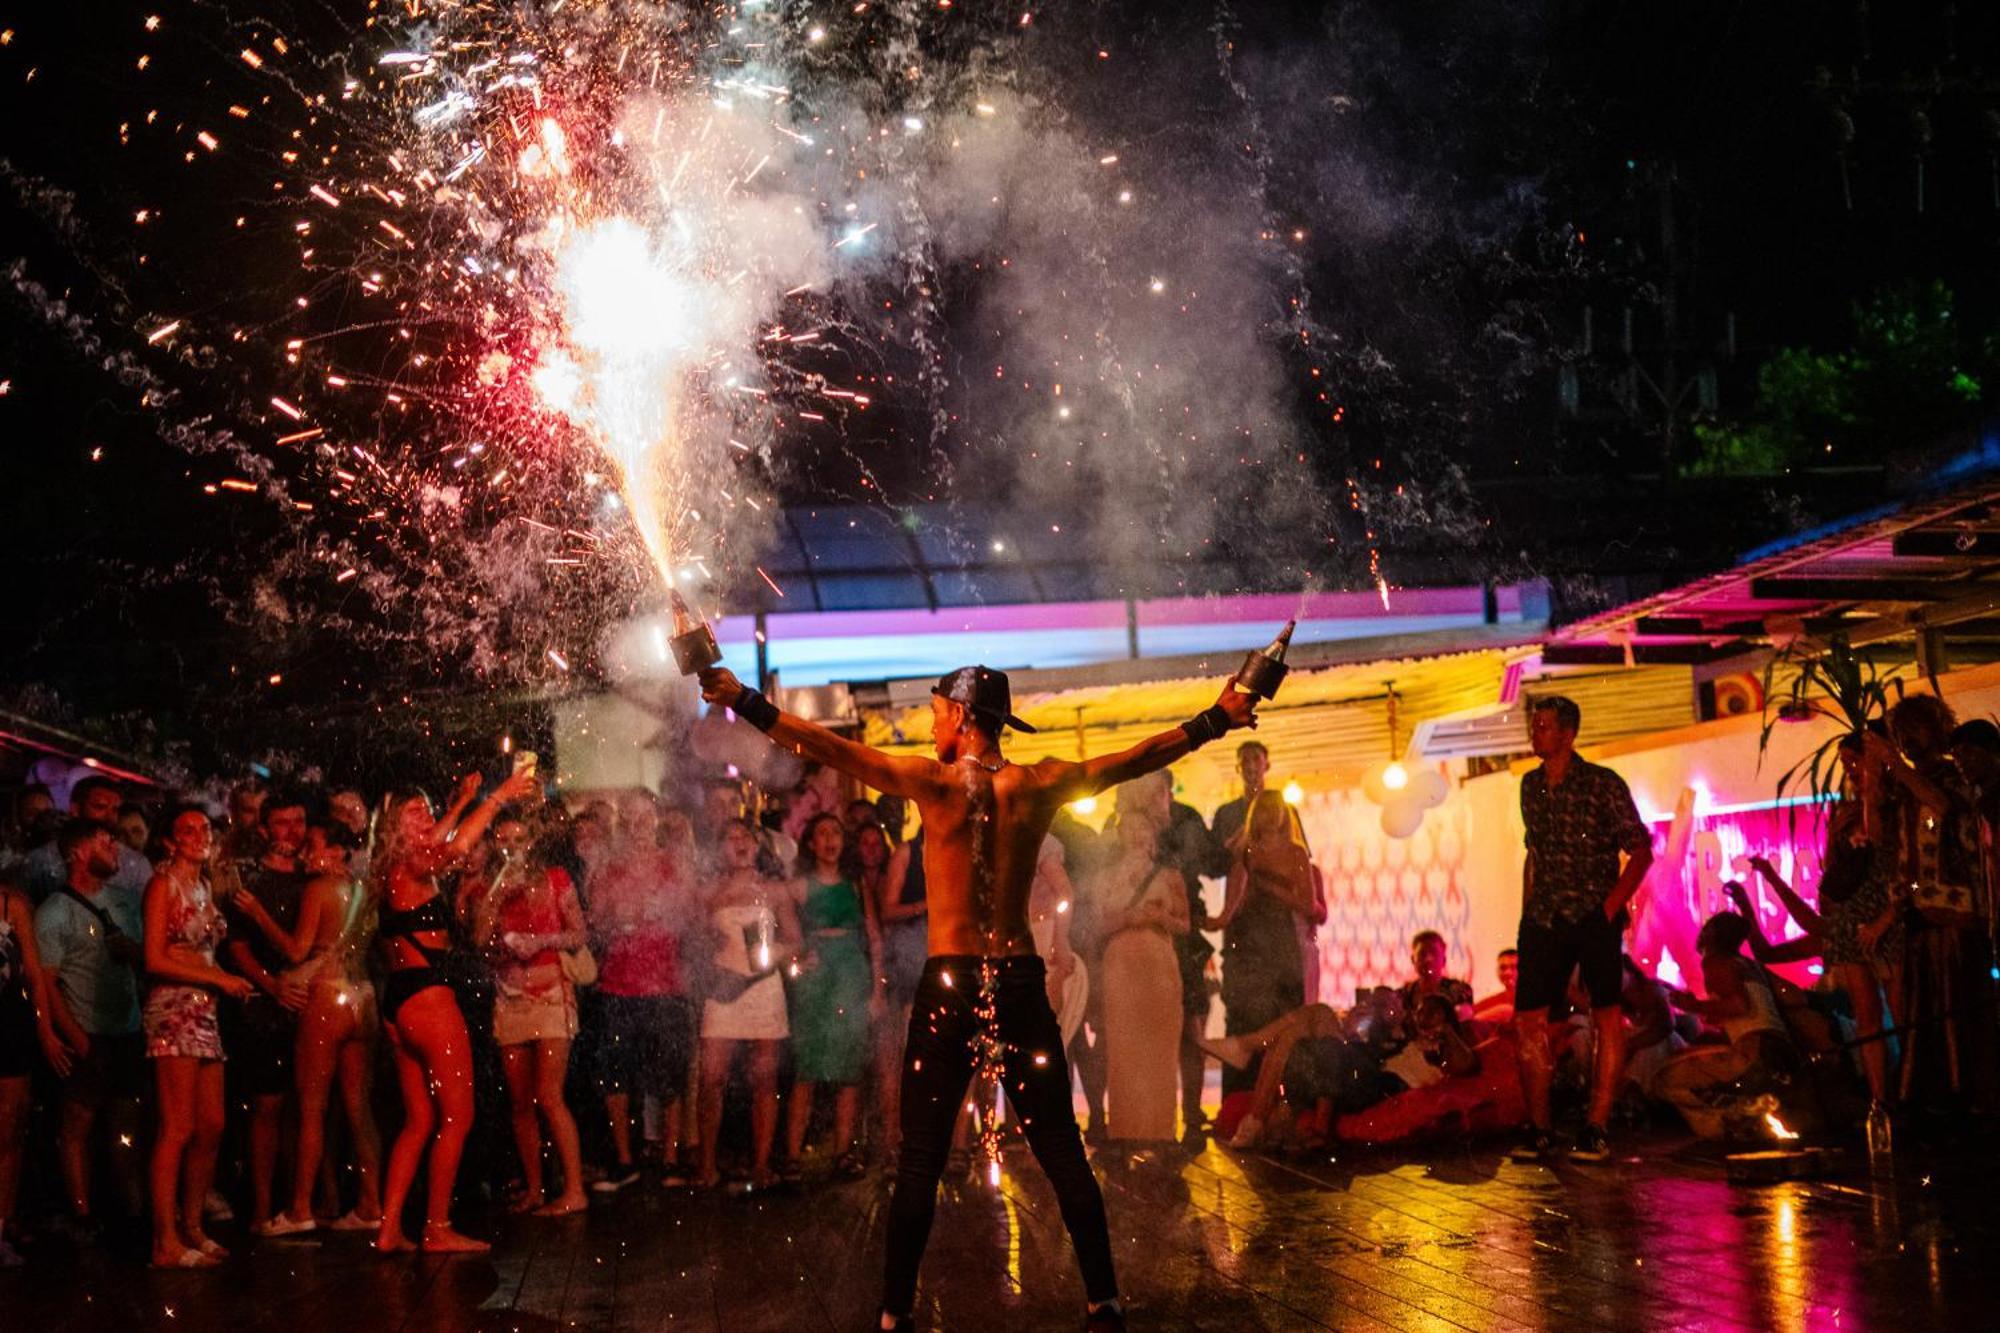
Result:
[{"x": 1832, "y": 681}]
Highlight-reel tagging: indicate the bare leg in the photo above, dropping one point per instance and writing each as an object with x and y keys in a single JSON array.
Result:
[
  {"x": 797, "y": 1113},
  {"x": 671, "y": 1112},
  {"x": 1194, "y": 1064},
  {"x": 357, "y": 1084},
  {"x": 419, "y": 1119},
  {"x": 551, "y": 1065},
  {"x": 618, "y": 1116},
  {"x": 1531, "y": 1039},
  {"x": 174, "y": 1078},
  {"x": 716, "y": 1057},
  {"x": 203, "y": 1146},
  {"x": 313, "y": 1060},
  {"x": 1610, "y": 1065},
  {"x": 124, "y": 1127},
  {"x": 846, "y": 1108},
  {"x": 763, "y": 1109},
  {"x": 267, "y": 1127},
  {"x": 446, "y": 1047},
  {"x": 1089, "y": 1059},
  {"x": 74, "y": 1124},
  {"x": 1858, "y": 980},
  {"x": 518, "y": 1061}
]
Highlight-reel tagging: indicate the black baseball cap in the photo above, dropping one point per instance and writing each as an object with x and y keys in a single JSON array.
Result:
[{"x": 984, "y": 691}]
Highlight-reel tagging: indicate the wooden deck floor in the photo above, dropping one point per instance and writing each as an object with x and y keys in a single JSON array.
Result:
[{"x": 1221, "y": 1241}]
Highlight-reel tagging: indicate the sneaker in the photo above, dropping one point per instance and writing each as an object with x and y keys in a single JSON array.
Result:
[
  {"x": 618, "y": 1179},
  {"x": 1536, "y": 1145},
  {"x": 1592, "y": 1145},
  {"x": 283, "y": 1225}
]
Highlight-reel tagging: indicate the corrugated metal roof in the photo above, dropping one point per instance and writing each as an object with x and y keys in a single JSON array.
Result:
[{"x": 1331, "y": 723}]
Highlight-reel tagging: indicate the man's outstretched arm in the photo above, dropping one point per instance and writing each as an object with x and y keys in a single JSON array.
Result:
[
  {"x": 908, "y": 777},
  {"x": 1234, "y": 709}
]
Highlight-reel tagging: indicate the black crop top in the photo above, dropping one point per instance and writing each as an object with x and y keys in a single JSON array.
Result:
[{"x": 405, "y": 923}]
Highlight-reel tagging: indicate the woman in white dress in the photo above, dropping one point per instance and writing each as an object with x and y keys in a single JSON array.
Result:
[
  {"x": 754, "y": 934},
  {"x": 1144, "y": 906}
]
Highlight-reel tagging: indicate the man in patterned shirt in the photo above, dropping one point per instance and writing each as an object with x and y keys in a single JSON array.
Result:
[{"x": 1580, "y": 820}]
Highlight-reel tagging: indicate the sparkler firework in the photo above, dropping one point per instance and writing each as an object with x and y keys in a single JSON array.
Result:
[{"x": 537, "y": 286}]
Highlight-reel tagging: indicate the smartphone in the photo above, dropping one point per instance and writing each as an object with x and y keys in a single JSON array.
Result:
[{"x": 527, "y": 761}]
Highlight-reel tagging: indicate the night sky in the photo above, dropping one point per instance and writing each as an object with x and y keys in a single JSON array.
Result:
[{"x": 1380, "y": 225}]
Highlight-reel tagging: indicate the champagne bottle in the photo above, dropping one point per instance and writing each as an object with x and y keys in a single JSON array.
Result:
[
  {"x": 1264, "y": 670},
  {"x": 693, "y": 642}
]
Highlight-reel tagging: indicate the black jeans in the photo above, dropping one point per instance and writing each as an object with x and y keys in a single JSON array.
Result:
[{"x": 937, "y": 1066}]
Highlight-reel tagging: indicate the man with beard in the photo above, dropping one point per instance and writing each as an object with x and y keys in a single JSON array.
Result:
[
  {"x": 263, "y": 912},
  {"x": 98, "y": 801},
  {"x": 89, "y": 931}
]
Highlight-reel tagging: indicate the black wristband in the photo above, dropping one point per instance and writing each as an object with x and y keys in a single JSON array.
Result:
[
  {"x": 755, "y": 709},
  {"x": 1207, "y": 725}
]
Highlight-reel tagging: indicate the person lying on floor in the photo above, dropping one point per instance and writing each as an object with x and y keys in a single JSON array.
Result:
[
  {"x": 1755, "y": 1054},
  {"x": 1377, "y": 1076},
  {"x": 1313, "y": 1059}
]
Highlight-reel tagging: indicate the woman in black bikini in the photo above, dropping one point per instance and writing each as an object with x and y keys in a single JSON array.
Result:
[{"x": 419, "y": 1011}]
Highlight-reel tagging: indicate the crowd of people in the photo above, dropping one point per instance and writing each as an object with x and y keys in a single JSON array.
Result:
[
  {"x": 1901, "y": 1023},
  {"x": 197, "y": 1004}
]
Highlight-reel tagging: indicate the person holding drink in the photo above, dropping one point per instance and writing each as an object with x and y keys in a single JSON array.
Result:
[{"x": 754, "y": 930}]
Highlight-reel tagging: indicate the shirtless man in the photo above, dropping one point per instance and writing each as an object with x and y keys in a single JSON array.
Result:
[{"x": 984, "y": 820}]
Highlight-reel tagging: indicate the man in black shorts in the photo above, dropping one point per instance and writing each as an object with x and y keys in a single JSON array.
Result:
[
  {"x": 1579, "y": 819},
  {"x": 266, "y": 1026}
]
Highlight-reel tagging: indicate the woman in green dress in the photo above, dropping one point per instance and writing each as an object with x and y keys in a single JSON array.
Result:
[{"x": 837, "y": 992}]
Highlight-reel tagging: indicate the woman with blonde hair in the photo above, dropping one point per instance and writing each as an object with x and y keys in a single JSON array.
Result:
[
  {"x": 419, "y": 1009},
  {"x": 1144, "y": 908},
  {"x": 1270, "y": 888}
]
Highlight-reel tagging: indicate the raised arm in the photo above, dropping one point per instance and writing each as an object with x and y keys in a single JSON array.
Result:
[
  {"x": 1905, "y": 775},
  {"x": 464, "y": 837},
  {"x": 910, "y": 777},
  {"x": 1801, "y": 912},
  {"x": 1232, "y": 709}
]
